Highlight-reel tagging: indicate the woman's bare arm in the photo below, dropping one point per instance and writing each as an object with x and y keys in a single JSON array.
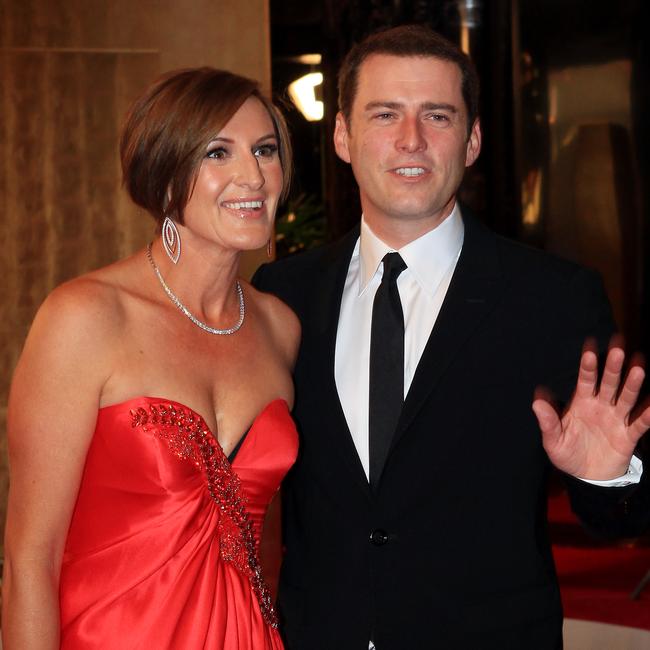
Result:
[{"x": 52, "y": 413}]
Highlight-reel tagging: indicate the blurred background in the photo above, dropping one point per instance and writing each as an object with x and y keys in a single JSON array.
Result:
[{"x": 564, "y": 164}]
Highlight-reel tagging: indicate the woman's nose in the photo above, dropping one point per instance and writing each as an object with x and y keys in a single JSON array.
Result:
[{"x": 249, "y": 173}]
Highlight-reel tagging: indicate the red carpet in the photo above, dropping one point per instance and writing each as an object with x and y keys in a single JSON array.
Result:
[{"x": 596, "y": 579}]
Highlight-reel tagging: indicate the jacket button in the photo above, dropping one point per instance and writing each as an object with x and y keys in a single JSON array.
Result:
[{"x": 378, "y": 537}]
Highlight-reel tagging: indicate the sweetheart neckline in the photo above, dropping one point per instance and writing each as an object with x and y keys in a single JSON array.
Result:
[{"x": 166, "y": 400}]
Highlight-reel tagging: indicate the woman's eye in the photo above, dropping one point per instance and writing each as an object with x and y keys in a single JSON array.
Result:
[
  {"x": 219, "y": 153},
  {"x": 266, "y": 150}
]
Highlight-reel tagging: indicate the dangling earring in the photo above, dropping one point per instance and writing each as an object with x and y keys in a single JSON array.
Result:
[
  {"x": 269, "y": 248},
  {"x": 171, "y": 240}
]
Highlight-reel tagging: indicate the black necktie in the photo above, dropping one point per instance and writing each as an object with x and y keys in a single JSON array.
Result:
[{"x": 386, "y": 384}]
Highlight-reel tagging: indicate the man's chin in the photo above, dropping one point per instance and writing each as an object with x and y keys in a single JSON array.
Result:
[{"x": 419, "y": 213}]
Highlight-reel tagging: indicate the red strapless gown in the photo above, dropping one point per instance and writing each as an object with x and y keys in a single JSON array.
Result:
[{"x": 162, "y": 547}]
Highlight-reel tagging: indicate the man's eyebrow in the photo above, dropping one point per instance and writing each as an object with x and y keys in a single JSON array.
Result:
[
  {"x": 439, "y": 106},
  {"x": 370, "y": 106},
  {"x": 426, "y": 106}
]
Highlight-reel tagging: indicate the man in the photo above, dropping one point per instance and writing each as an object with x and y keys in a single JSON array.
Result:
[{"x": 423, "y": 525}]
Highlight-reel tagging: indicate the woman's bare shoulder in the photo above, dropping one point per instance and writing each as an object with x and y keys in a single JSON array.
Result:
[
  {"x": 96, "y": 299},
  {"x": 80, "y": 319},
  {"x": 90, "y": 301}
]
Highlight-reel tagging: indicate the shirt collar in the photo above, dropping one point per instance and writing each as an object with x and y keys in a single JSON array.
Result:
[{"x": 428, "y": 257}]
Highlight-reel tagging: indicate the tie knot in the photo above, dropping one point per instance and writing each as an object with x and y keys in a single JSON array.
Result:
[{"x": 393, "y": 266}]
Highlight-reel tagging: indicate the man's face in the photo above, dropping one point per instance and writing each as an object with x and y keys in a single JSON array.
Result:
[{"x": 406, "y": 140}]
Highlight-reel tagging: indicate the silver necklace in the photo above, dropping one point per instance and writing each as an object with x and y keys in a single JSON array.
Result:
[{"x": 188, "y": 313}]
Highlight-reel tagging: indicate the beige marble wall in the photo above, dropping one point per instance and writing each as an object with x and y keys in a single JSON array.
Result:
[{"x": 68, "y": 71}]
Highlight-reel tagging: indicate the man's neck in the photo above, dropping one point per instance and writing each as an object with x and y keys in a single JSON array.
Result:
[{"x": 398, "y": 233}]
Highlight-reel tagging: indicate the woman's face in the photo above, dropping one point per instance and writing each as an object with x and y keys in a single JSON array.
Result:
[{"x": 239, "y": 182}]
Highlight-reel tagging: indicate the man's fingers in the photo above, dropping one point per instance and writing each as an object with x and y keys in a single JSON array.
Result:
[
  {"x": 630, "y": 391},
  {"x": 549, "y": 422},
  {"x": 611, "y": 378},
  {"x": 587, "y": 375},
  {"x": 640, "y": 425}
]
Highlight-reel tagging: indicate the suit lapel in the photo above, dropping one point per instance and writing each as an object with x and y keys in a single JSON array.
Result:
[
  {"x": 328, "y": 293},
  {"x": 474, "y": 291}
]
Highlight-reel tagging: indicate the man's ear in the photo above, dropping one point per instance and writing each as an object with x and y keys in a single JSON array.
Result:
[
  {"x": 341, "y": 138},
  {"x": 473, "y": 143}
]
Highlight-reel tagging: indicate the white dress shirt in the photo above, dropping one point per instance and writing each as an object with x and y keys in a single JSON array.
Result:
[
  {"x": 431, "y": 260},
  {"x": 422, "y": 286}
]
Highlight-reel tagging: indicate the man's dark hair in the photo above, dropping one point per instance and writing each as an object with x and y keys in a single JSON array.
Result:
[{"x": 408, "y": 41}]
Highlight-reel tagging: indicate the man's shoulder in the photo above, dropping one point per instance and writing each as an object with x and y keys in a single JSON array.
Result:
[
  {"x": 302, "y": 261},
  {"x": 542, "y": 281},
  {"x": 525, "y": 260},
  {"x": 537, "y": 274},
  {"x": 521, "y": 256},
  {"x": 303, "y": 268},
  {"x": 289, "y": 273}
]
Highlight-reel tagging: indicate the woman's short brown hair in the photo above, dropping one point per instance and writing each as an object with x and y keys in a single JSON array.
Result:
[{"x": 167, "y": 130}]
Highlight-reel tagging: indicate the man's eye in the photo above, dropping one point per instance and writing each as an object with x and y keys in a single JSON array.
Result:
[
  {"x": 384, "y": 116},
  {"x": 219, "y": 153},
  {"x": 266, "y": 150},
  {"x": 439, "y": 117}
]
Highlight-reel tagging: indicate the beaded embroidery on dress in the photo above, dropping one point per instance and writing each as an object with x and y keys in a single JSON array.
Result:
[
  {"x": 163, "y": 545},
  {"x": 189, "y": 438}
]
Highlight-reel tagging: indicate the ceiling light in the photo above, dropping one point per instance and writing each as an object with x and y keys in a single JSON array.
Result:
[{"x": 302, "y": 92}]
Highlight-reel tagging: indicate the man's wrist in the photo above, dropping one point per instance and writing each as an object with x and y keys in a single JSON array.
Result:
[{"x": 631, "y": 477}]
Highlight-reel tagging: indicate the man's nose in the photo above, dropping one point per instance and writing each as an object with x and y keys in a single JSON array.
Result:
[
  {"x": 248, "y": 173},
  {"x": 411, "y": 137}
]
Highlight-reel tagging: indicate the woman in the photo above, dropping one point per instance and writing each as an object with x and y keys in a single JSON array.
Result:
[{"x": 136, "y": 498}]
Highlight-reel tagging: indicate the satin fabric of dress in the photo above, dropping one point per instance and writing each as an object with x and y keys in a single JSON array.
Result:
[{"x": 144, "y": 564}]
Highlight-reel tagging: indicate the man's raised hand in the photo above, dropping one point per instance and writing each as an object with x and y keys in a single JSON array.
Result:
[{"x": 595, "y": 437}]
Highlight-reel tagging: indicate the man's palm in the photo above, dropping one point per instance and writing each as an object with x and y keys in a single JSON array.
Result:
[{"x": 594, "y": 438}]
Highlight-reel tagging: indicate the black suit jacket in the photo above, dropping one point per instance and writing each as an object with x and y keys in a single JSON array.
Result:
[{"x": 460, "y": 557}]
